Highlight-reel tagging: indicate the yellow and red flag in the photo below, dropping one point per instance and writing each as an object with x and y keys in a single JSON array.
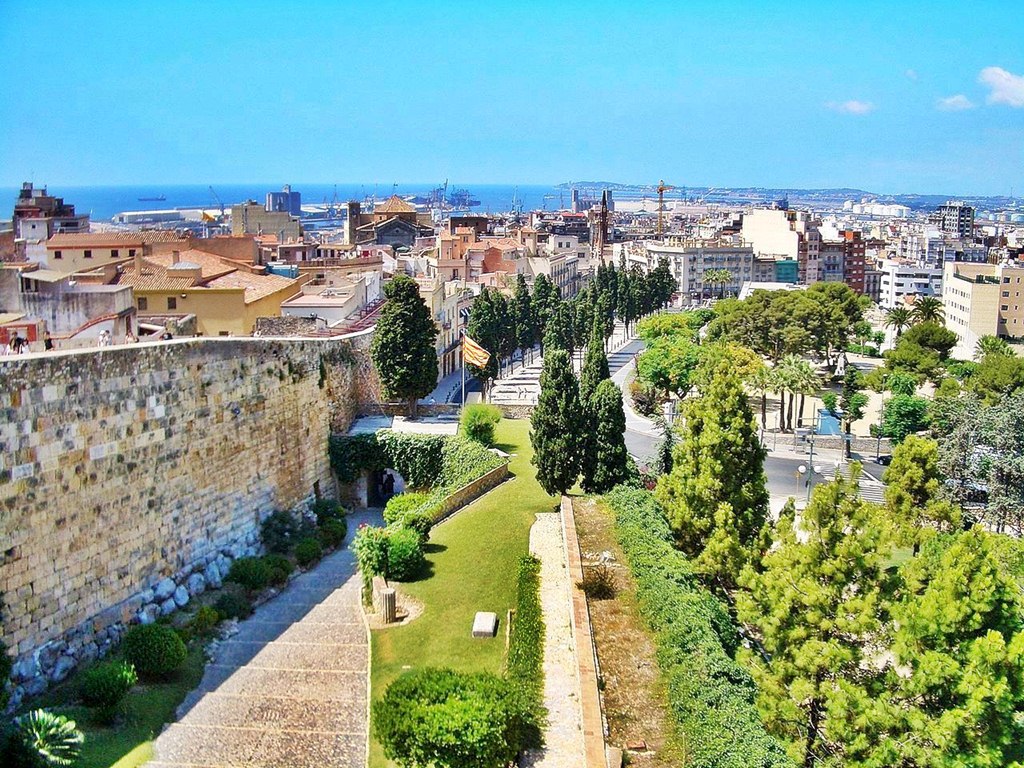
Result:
[{"x": 473, "y": 353}]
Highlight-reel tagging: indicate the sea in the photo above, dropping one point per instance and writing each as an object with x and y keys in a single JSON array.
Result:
[{"x": 103, "y": 202}]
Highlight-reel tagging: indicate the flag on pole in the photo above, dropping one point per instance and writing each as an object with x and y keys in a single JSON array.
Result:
[{"x": 473, "y": 353}]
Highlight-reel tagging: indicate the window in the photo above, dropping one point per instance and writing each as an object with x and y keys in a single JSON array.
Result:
[
  {"x": 131, "y": 253},
  {"x": 1006, "y": 294},
  {"x": 58, "y": 255},
  {"x": 1004, "y": 307},
  {"x": 224, "y": 333},
  {"x": 143, "y": 304},
  {"x": 172, "y": 303},
  {"x": 87, "y": 254},
  {"x": 113, "y": 253}
]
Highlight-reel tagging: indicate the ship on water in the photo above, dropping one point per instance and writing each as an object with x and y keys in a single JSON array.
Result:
[{"x": 157, "y": 199}]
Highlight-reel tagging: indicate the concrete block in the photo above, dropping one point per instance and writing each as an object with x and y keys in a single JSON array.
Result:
[{"x": 485, "y": 624}]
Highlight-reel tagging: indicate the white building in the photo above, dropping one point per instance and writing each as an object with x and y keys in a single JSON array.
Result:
[{"x": 899, "y": 279}]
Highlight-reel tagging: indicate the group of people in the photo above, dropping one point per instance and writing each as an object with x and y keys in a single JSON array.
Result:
[{"x": 19, "y": 345}]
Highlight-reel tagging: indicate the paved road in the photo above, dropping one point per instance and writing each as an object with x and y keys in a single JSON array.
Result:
[{"x": 290, "y": 690}]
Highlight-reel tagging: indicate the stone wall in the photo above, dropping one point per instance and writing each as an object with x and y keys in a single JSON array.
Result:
[
  {"x": 470, "y": 491},
  {"x": 130, "y": 476}
]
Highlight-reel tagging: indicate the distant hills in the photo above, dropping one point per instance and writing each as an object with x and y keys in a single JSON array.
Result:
[{"x": 832, "y": 196}]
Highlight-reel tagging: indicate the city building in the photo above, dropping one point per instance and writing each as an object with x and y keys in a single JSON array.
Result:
[
  {"x": 393, "y": 222},
  {"x": 983, "y": 300},
  {"x": 899, "y": 279},
  {"x": 285, "y": 201},
  {"x": 251, "y": 218},
  {"x": 787, "y": 234},
  {"x": 957, "y": 219},
  {"x": 689, "y": 260},
  {"x": 38, "y": 217}
]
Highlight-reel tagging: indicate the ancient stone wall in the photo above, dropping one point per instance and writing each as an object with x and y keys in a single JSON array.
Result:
[{"x": 129, "y": 471}]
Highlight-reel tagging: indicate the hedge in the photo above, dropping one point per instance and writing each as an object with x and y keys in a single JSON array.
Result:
[
  {"x": 711, "y": 697},
  {"x": 525, "y": 664}
]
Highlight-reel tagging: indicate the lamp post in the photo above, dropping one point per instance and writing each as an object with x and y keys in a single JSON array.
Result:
[
  {"x": 799, "y": 473},
  {"x": 810, "y": 480}
]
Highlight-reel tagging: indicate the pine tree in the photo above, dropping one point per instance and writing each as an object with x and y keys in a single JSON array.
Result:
[
  {"x": 715, "y": 497},
  {"x": 912, "y": 491},
  {"x": 555, "y": 425},
  {"x": 817, "y": 600},
  {"x": 544, "y": 300},
  {"x": 605, "y": 466},
  {"x": 403, "y": 345}
]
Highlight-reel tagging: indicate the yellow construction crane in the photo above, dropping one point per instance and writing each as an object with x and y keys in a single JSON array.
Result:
[{"x": 662, "y": 189}]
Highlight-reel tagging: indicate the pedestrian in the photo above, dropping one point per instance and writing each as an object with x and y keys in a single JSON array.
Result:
[
  {"x": 129, "y": 337},
  {"x": 166, "y": 336},
  {"x": 104, "y": 338},
  {"x": 47, "y": 341}
]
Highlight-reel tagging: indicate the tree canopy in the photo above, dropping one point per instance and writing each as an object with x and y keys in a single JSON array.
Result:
[{"x": 402, "y": 349}]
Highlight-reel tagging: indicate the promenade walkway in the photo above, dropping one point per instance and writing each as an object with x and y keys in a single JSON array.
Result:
[{"x": 291, "y": 689}]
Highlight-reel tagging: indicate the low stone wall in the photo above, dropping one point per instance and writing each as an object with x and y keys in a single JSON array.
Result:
[
  {"x": 467, "y": 493},
  {"x": 861, "y": 445}
]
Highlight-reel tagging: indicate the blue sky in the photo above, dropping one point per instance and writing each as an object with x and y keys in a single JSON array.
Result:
[{"x": 698, "y": 93}]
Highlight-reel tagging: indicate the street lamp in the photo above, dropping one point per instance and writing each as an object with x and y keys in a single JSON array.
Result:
[
  {"x": 810, "y": 479},
  {"x": 799, "y": 473}
]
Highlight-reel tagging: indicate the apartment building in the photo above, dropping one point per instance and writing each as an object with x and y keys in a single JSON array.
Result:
[
  {"x": 983, "y": 300},
  {"x": 689, "y": 262},
  {"x": 789, "y": 234},
  {"x": 899, "y": 279}
]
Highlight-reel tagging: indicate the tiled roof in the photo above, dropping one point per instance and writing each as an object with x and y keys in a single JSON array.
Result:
[
  {"x": 394, "y": 204},
  {"x": 256, "y": 286},
  {"x": 93, "y": 240},
  {"x": 210, "y": 264}
]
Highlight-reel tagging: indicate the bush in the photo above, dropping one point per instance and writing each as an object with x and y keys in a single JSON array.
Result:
[
  {"x": 478, "y": 422},
  {"x": 233, "y": 603},
  {"x": 328, "y": 509},
  {"x": 308, "y": 551},
  {"x": 204, "y": 621},
  {"x": 156, "y": 650},
  {"x": 279, "y": 568},
  {"x": 421, "y": 522},
  {"x": 598, "y": 582},
  {"x": 105, "y": 685},
  {"x": 279, "y": 532},
  {"x": 417, "y": 458},
  {"x": 253, "y": 573},
  {"x": 402, "y": 504},
  {"x": 40, "y": 739},
  {"x": 709, "y": 693},
  {"x": 462, "y": 462},
  {"x": 405, "y": 554},
  {"x": 444, "y": 718},
  {"x": 332, "y": 533},
  {"x": 351, "y": 454},
  {"x": 645, "y": 398},
  {"x": 371, "y": 549}
]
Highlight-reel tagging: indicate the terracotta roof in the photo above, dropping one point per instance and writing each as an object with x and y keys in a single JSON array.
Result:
[
  {"x": 93, "y": 240},
  {"x": 210, "y": 264},
  {"x": 256, "y": 286},
  {"x": 394, "y": 204}
]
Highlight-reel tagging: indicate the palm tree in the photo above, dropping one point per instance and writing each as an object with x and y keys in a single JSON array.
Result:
[
  {"x": 786, "y": 380},
  {"x": 991, "y": 346},
  {"x": 761, "y": 381},
  {"x": 928, "y": 309},
  {"x": 719, "y": 277},
  {"x": 899, "y": 319},
  {"x": 806, "y": 382},
  {"x": 780, "y": 381}
]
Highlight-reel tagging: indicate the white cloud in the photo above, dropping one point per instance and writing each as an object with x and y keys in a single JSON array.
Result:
[
  {"x": 851, "y": 107},
  {"x": 956, "y": 103},
  {"x": 910, "y": 74},
  {"x": 1005, "y": 87}
]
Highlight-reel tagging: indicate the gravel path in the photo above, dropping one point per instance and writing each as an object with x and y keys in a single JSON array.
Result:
[
  {"x": 291, "y": 688},
  {"x": 564, "y": 735}
]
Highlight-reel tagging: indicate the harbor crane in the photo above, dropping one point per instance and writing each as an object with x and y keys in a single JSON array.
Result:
[
  {"x": 219, "y": 202},
  {"x": 662, "y": 189}
]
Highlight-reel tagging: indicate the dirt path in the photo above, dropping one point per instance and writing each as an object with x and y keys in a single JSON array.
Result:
[{"x": 564, "y": 735}]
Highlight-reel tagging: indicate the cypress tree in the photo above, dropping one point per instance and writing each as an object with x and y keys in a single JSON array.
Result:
[
  {"x": 555, "y": 425},
  {"x": 483, "y": 328},
  {"x": 605, "y": 466},
  {"x": 715, "y": 498},
  {"x": 595, "y": 365},
  {"x": 523, "y": 318},
  {"x": 403, "y": 345}
]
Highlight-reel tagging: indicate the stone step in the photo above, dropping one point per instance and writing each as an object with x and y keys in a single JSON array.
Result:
[{"x": 258, "y": 748}]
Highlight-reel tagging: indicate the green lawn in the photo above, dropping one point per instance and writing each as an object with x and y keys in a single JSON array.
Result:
[
  {"x": 473, "y": 559},
  {"x": 147, "y": 708}
]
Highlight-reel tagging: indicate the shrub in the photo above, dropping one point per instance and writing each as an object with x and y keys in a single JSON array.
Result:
[
  {"x": 104, "y": 685},
  {"x": 327, "y": 509},
  {"x": 279, "y": 568},
  {"x": 308, "y": 551},
  {"x": 709, "y": 693},
  {"x": 371, "y": 549},
  {"x": 279, "y": 532},
  {"x": 156, "y": 650},
  {"x": 478, "y": 422},
  {"x": 645, "y": 398},
  {"x": 463, "y": 461},
  {"x": 40, "y": 739},
  {"x": 598, "y": 582},
  {"x": 351, "y": 454},
  {"x": 402, "y": 504},
  {"x": 205, "y": 620},
  {"x": 253, "y": 573},
  {"x": 332, "y": 532},
  {"x": 233, "y": 603},
  {"x": 446, "y": 719},
  {"x": 421, "y": 522},
  {"x": 405, "y": 554}
]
